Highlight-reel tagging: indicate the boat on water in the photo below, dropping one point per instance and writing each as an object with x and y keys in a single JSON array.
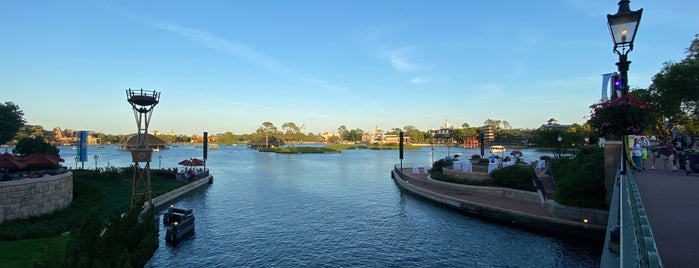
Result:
[
  {"x": 497, "y": 149},
  {"x": 178, "y": 223}
]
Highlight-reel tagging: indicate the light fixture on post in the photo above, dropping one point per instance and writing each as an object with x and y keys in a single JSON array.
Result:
[
  {"x": 623, "y": 26},
  {"x": 160, "y": 160},
  {"x": 76, "y": 162},
  {"x": 95, "y": 157}
]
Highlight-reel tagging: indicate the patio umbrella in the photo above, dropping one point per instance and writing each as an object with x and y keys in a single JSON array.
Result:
[
  {"x": 11, "y": 164},
  {"x": 41, "y": 160},
  {"x": 185, "y": 162},
  {"x": 198, "y": 162}
]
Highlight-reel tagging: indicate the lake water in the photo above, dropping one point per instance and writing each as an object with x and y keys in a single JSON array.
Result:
[{"x": 336, "y": 210}]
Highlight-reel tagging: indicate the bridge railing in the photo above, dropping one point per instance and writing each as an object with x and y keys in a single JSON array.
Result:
[{"x": 629, "y": 241}]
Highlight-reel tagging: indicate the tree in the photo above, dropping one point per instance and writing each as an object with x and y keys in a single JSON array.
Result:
[
  {"x": 11, "y": 120},
  {"x": 30, "y": 145},
  {"x": 675, "y": 89},
  {"x": 570, "y": 138},
  {"x": 290, "y": 130},
  {"x": 268, "y": 127}
]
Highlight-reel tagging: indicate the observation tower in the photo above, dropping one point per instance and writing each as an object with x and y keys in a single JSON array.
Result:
[{"x": 142, "y": 102}]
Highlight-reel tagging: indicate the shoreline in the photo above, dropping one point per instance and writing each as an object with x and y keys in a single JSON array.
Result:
[{"x": 521, "y": 213}]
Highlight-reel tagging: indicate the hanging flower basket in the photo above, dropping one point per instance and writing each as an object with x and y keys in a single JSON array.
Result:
[{"x": 620, "y": 116}]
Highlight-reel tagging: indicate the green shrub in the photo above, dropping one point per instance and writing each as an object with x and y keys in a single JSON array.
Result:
[
  {"x": 516, "y": 177},
  {"x": 580, "y": 181},
  {"x": 439, "y": 164}
]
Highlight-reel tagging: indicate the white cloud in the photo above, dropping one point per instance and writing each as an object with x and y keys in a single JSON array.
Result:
[
  {"x": 401, "y": 59},
  {"x": 419, "y": 80},
  {"x": 238, "y": 50}
]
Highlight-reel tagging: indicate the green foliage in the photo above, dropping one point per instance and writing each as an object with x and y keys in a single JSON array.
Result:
[
  {"x": 11, "y": 120},
  {"x": 516, "y": 177},
  {"x": 580, "y": 181},
  {"x": 675, "y": 92},
  {"x": 30, "y": 145},
  {"x": 439, "y": 164},
  {"x": 90, "y": 189},
  {"x": 127, "y": 241}
]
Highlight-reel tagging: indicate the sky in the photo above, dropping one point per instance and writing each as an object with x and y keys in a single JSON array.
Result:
[{"x": 229, "y": 66}]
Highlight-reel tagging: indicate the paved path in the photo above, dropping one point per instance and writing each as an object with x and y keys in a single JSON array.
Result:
[
  {"x": 671, "y": 200},
  {"x": 421, "y": 181}
]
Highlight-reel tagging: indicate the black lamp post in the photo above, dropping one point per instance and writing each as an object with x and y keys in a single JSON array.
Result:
[
  {"x": 623, "y": 26},
  {"x": 560, "y": 146},
  {"x": 96, "y": 157},
  {"x": 76, "y": 162},
  {"x": 160, "y": 160}
]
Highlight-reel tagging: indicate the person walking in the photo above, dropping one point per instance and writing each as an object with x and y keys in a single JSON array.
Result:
[
  {"x": 666, "y": 153},
  {"x": 653, "y": 151},
  {"x": 637, "y": 154},
  {"x": 679, "y": 146}
]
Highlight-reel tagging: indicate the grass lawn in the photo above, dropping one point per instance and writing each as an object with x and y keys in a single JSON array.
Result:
[
  {"x": 21, "y": 241},
  {"x": 25, "y": 253}
]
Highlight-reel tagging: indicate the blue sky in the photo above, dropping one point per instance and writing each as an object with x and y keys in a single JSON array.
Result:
[{"x": 232, "y": 65}]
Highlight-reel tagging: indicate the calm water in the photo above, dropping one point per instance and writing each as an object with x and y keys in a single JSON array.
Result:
[{"x": 335, "y": 210}]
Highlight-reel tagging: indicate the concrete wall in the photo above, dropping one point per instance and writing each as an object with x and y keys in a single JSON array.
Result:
[
  {"x": 168, "y": 197},
  {"x": 35, "y": 197}
]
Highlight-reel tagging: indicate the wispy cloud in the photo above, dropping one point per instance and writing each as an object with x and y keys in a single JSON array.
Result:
[
  {"x": 401, "y": 59},
  {"x": 237, "y": 50},
  {"x": 419, "y": 80}
]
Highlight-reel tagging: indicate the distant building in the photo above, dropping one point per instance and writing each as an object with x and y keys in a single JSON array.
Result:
[
  {"x": 443, "y": 133},
  {"x": 553, "y": 123}
]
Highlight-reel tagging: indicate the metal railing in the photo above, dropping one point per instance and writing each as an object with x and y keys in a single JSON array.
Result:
[{"x": 629, "y": 241}]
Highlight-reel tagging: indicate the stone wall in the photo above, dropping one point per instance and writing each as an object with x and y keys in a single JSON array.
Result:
[{"x": 35, "y": 197}]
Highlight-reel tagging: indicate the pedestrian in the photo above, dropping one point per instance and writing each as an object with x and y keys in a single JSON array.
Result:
[
  {"x": 666, "y": 153},
  {"x": 679, "y": 146},
  {"x": 653, "y": 151},
  {"x": 637, "y": 154}
]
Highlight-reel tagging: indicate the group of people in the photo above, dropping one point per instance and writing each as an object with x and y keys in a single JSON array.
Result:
[
  {"x": 14, "y": 175},
  {"x": 671, "y": 152}
]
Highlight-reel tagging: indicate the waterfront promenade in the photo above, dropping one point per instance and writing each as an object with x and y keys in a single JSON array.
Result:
[
  {"x": 521, "y": 210},
  {"x": 671, "y": 200}
]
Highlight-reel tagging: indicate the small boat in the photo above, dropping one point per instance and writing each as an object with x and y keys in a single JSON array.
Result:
[
  {"x": 497, "y": 149},
  {"x": 178, "y": 223},
  {"x": 156, "y": 149}
]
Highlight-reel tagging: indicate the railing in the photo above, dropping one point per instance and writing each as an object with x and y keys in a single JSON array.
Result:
[{"x": 629, "y": 241}]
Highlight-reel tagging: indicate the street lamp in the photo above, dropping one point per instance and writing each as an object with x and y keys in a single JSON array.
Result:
[
  {"x": 160, "y": 160},
  {"x": 96, "y": 157},
  {"x": 623, "y": 26},
  {"x": 587, "y": 140},
  {"x": 76, "y": 162},
  {"x": 560, "y": 146}
]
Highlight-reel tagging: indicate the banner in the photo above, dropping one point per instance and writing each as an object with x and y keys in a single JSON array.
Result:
[
  {"x": 605, "y": 85},
  {"x": 82, "y": 146}
]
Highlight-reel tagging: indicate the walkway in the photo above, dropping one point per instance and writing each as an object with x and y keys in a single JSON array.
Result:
[
  {"x": 671, "y": 200},
  {"x": 421, "y": 181},
  {"x": 529, "y": 214}
]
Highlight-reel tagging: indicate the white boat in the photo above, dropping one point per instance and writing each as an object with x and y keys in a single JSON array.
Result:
[{"x": 497, "y": 149}]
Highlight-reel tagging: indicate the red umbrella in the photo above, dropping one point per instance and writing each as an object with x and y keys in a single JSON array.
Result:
[
  {"x": 9, "y": 163},
  {"x": 10, "y": 156},
  {"x": 198, "y": 162},
  {"x": 192, "y": 162},
  {"x": 41, "y": 160}
]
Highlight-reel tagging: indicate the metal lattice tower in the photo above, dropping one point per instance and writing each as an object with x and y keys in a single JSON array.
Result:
[{"x": 142, "y": 102}]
